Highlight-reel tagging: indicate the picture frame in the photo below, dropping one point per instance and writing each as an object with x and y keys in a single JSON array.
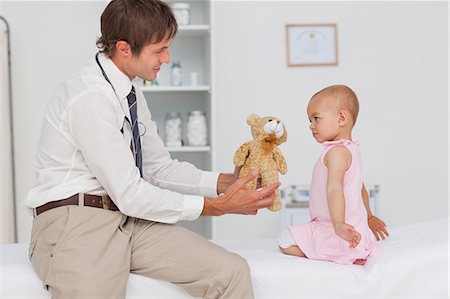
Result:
[{"x": 311, "y": 45}]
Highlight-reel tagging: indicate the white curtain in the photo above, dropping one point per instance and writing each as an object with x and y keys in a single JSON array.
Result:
[{"x": 6, "y": 207}]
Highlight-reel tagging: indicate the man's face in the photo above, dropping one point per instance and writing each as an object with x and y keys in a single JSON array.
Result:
[{"x": 148, "y": 63}]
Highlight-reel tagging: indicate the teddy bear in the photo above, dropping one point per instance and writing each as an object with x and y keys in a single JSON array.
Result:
[{"x": 262, "y": 154}]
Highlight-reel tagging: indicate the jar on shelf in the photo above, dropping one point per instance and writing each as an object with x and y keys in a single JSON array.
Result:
[
  {"x": 176, "y": 75},
  {"x": 173, "y": 129},
  {"x": 197, "y": 131},
  {"x": 182, "y": 13}
]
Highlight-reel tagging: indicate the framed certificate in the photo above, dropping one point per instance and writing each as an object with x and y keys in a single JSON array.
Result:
[{"x": 311, "y": 45}]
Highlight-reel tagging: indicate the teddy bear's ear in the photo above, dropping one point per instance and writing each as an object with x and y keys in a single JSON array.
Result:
[{"x": 252, "y": 118}]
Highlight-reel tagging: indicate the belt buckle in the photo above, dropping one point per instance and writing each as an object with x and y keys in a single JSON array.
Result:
[{"x": 106, "y": 202}]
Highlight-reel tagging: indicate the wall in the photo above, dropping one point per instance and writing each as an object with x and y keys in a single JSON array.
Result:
[
  {"x": 49, "y": 41},
  {"x": 393, "y": 54}
]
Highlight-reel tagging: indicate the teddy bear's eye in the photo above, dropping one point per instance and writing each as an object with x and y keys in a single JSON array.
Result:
[{"x": 270, "y": 120}]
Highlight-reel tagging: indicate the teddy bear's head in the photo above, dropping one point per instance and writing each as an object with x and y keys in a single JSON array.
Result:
[{"x": 267, "y": 128}]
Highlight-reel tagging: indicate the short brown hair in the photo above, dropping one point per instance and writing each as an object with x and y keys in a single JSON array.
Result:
[
  {"x": 138, "y": 22},
  {"x": 346, "y": 96}
]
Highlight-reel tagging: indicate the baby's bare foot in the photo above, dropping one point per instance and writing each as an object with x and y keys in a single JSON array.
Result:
[{"x": 359, "y": 262}]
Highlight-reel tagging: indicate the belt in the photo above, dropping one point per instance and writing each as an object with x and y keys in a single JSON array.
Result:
[{"x": 80, "y": 199}]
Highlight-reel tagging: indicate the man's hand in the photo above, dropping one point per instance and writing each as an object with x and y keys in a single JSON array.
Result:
[
  {"x": 227, "y": 179},
  {"x": 378, "y": 228},
  {"x": 238, "y": 200},
  {"x": 348, "y": 233}
]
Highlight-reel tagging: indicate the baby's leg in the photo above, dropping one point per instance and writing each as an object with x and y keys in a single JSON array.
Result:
[
  {"x": 287, "y": 244},
  {"x": 293, "y": 250}
]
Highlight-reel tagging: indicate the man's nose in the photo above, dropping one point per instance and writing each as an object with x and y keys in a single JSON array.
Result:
[{"x": 165, "y": 58}]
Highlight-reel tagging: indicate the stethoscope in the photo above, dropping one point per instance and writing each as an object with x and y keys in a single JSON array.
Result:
[{"x": 141, "y": 127}]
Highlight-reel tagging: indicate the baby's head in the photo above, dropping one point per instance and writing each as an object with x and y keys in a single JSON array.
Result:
[{"x": 332, "y": 112}]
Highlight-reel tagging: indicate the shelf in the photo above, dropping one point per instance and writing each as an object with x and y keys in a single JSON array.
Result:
[
  {"x": 193, "y": 30},
  {"x": 174, "y": 88},
  {"x": 188, "y": 149}
]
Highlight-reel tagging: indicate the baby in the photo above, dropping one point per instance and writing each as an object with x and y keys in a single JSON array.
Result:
[{"x": 338, "y": 230}]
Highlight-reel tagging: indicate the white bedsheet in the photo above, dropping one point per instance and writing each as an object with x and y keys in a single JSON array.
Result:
[{"x": 413, "y": 263}]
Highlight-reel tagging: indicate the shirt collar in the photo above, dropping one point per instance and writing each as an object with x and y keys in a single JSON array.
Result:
[{"x": 120, "y": 81}]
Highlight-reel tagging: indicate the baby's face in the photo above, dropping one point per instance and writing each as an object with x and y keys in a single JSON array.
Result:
[{"x": 323, "y": 116}]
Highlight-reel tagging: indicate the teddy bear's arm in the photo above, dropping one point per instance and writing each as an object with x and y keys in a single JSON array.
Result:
[
  {"x": 241, "y": 154},
  {"x": 279, "y": 159}
]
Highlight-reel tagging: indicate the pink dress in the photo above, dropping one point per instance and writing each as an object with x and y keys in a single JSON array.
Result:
[{"x": 317, "y": 238}]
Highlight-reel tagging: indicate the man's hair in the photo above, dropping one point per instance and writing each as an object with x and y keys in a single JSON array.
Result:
[
  {"x": 346, "y": 97},
  {"x": 137, "y": 22}
]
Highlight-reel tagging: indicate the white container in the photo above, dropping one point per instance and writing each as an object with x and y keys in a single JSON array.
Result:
[
  {"x": 176, "y": 75},
  {"x": 173, "y": 128},
  {"x": 197, "y": 131},
  {"x": 194, "y": 78},
  {"x": 182, "y": 13}
]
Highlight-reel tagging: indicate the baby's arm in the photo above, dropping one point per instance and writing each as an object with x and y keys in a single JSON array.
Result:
[
  {"x": 377, "y": 225},
  {"x": 338, "y": 160}
]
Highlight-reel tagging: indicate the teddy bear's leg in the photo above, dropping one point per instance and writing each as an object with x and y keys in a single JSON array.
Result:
[
  {"x": 276, "y": 204},
  {"x": 269, "y": 178},
  {"x": 252, "y": 184}
]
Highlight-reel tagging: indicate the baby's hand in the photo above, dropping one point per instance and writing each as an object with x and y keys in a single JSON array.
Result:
[
  {"x": 378, "y": 228},
  {"x": 348, "y": 233}
]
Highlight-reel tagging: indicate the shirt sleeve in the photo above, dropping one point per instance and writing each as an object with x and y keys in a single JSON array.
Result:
[
  {"x": 92, "y": 122},
  {"x": 161, "y": 170}
]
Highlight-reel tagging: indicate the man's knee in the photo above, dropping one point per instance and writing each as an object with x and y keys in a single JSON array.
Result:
[
  {"x": 235, "y": 270},
  {"x": 236, "y": 280},
  {"x": 240, "y": 265}
]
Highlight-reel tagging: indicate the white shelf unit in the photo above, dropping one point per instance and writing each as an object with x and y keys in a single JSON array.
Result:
[
  {"x": 188, "y": 149},
  {"x": 175, "y": 88},
  {"x": 192, "y": 48},
  {"x": 193, "y": 30}
]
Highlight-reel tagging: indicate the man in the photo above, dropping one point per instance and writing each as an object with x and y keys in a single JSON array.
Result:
[{"x": 106, "y": 198}]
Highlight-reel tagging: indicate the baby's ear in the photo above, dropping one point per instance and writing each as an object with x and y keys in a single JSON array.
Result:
[
  {"x": 343, "y": 117},
  {"x": 252, "y": 118}
]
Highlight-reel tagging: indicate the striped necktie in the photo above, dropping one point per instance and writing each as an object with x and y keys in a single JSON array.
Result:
[{"x": 137, "y": 151}]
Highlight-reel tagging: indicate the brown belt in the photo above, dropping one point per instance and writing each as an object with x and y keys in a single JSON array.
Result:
[{"x": 102, "y": 202}]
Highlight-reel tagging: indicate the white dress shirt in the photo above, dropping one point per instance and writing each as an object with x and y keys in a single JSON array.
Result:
[{"x": 84, "y": 147}]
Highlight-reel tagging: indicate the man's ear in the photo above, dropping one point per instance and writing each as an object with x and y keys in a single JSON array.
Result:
[
  {"x": 343, "y": 117},
  {"x": 123, "y": 48}
]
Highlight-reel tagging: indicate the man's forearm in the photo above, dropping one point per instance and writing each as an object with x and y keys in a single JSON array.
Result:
[{"x": 212, "y": 207}]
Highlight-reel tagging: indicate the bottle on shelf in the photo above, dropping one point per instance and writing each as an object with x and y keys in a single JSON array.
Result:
[
  {"x": 197, "y": 131},
  {"x": 176, "y": 74},
  {"x": 194, "y": 78},
  {"x": 173, "y": 129}
]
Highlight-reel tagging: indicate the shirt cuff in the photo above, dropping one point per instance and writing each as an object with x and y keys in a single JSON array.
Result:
[
  {"x": 208, "y": 183},
  {"x": 193, "y": 207}
]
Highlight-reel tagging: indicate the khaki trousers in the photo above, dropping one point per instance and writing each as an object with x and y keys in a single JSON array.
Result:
[{"x": 85, "y": 252}]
